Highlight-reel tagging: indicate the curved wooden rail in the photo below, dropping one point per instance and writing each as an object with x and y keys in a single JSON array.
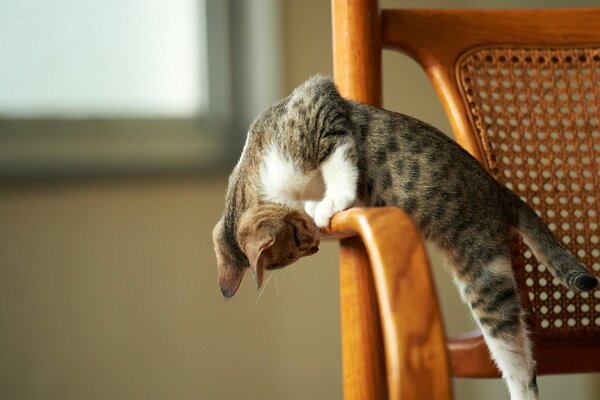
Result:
[
  {"x": 385, "y": 277},
  {"x": 414, "y": 348}
]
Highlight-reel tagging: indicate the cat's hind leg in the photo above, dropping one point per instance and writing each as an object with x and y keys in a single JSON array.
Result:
[{"x": 491, "y": 292}]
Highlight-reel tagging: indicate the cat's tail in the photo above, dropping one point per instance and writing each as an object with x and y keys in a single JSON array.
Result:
[{"x": 548, "y": 251}]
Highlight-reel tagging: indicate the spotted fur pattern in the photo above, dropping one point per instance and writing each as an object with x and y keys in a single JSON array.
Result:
[{"x": 318, "y": 151}]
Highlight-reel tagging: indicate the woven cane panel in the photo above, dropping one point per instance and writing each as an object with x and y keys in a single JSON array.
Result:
[{"x": 536, "y": 112}]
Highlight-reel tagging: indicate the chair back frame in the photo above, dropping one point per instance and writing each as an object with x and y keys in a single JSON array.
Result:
[{"x": 436, "y": 39}]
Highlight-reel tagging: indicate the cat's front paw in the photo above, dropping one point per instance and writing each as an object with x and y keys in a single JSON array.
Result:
[
  {"x": 310, "y": 206},
  {"x": 323, "y": 212},
  {"x": 327, "y": 207},
  {"x": 344, "y": 201}
]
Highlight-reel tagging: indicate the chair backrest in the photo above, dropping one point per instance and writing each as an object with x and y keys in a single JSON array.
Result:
[{"x": 522, "y": 91}]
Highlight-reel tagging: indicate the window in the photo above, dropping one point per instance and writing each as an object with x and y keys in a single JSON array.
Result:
[
  {"x": 102, "y": 58},
  {"x": 113, "y": 86}
]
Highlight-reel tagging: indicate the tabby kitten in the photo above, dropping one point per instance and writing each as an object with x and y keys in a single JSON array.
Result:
[
  {"x": 318, "y": 151},
  {"x": 270, "y": 236}
]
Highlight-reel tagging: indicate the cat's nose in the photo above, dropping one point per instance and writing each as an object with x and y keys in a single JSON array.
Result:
[{"x": 312, "y": 250}]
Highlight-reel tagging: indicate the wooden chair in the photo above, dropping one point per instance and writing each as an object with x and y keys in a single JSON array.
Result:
[{"x": 521, "y": 89}]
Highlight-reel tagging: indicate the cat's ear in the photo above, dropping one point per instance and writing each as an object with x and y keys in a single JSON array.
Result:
[
  {"x": 231, "y": 271},
  {"x": 230, "y": 279},
  {"x": 257, "y": 250}
]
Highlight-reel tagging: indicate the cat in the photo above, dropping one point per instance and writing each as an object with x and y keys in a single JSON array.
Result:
[
  {"x": 270, "y": 236},
  {"x": 317, "y": 151}
]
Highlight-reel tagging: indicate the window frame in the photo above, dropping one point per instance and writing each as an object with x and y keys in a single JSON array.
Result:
[{"x": 34, "y": 148}]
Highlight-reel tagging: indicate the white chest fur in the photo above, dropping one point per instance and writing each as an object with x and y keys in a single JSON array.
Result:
[
  {"x": 282, "y": 182},
  {"x": 322, "y": 192}
]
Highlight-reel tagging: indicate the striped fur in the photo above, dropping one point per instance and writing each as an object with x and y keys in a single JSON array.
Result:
[{"x": 361, "y": 155}]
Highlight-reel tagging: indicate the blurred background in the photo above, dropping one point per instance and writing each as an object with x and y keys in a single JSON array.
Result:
[{"x": 119, "y": 123}]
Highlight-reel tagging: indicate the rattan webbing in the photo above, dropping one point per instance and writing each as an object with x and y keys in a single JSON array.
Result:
[{"x": 536, "y": 114}]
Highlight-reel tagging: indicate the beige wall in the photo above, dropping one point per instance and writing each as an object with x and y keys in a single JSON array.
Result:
[{"x": 108, "y": 289}]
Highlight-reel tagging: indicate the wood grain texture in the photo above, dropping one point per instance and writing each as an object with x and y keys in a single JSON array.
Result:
[
  {"x": 470, "y": 357},
  {"x": 363, "y": 356},
  {"x": 357, "y": 73},
  {"x": 437, "y": 38},
  {"x": 357, "y": 50},
  {"x": 416, "y": 362}
]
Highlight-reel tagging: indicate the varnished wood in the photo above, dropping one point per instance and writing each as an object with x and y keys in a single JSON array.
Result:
[
  {"x": 416, "y": 361},
  {"x": 438, "y": 50},
  {"x": 357, "y": 50},
  {"x": 469, "y": 357},
  {"x": 436, "y": 39},
  {"x": 357, "y": 73},
  {"x": 363, "y": 357}
]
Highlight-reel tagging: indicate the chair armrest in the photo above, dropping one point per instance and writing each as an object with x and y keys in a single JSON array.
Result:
[{"x": 416, "y": 361}]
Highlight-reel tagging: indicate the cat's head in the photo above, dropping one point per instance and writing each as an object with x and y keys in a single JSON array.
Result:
[{"x": 271, "y": 236}]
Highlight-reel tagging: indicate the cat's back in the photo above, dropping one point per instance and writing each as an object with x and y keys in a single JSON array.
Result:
[{"x": 408, "y": 163}]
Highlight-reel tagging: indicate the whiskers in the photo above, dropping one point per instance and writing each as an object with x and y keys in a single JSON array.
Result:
[
  {"x": 277, "y": 273},
  {"x": 265, "y": 285}
]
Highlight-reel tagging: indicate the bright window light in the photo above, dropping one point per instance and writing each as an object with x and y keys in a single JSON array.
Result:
[{"x": 102, "y": 58}]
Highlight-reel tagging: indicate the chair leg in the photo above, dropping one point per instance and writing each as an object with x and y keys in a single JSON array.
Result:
[{"x": 363, "y": 356}]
